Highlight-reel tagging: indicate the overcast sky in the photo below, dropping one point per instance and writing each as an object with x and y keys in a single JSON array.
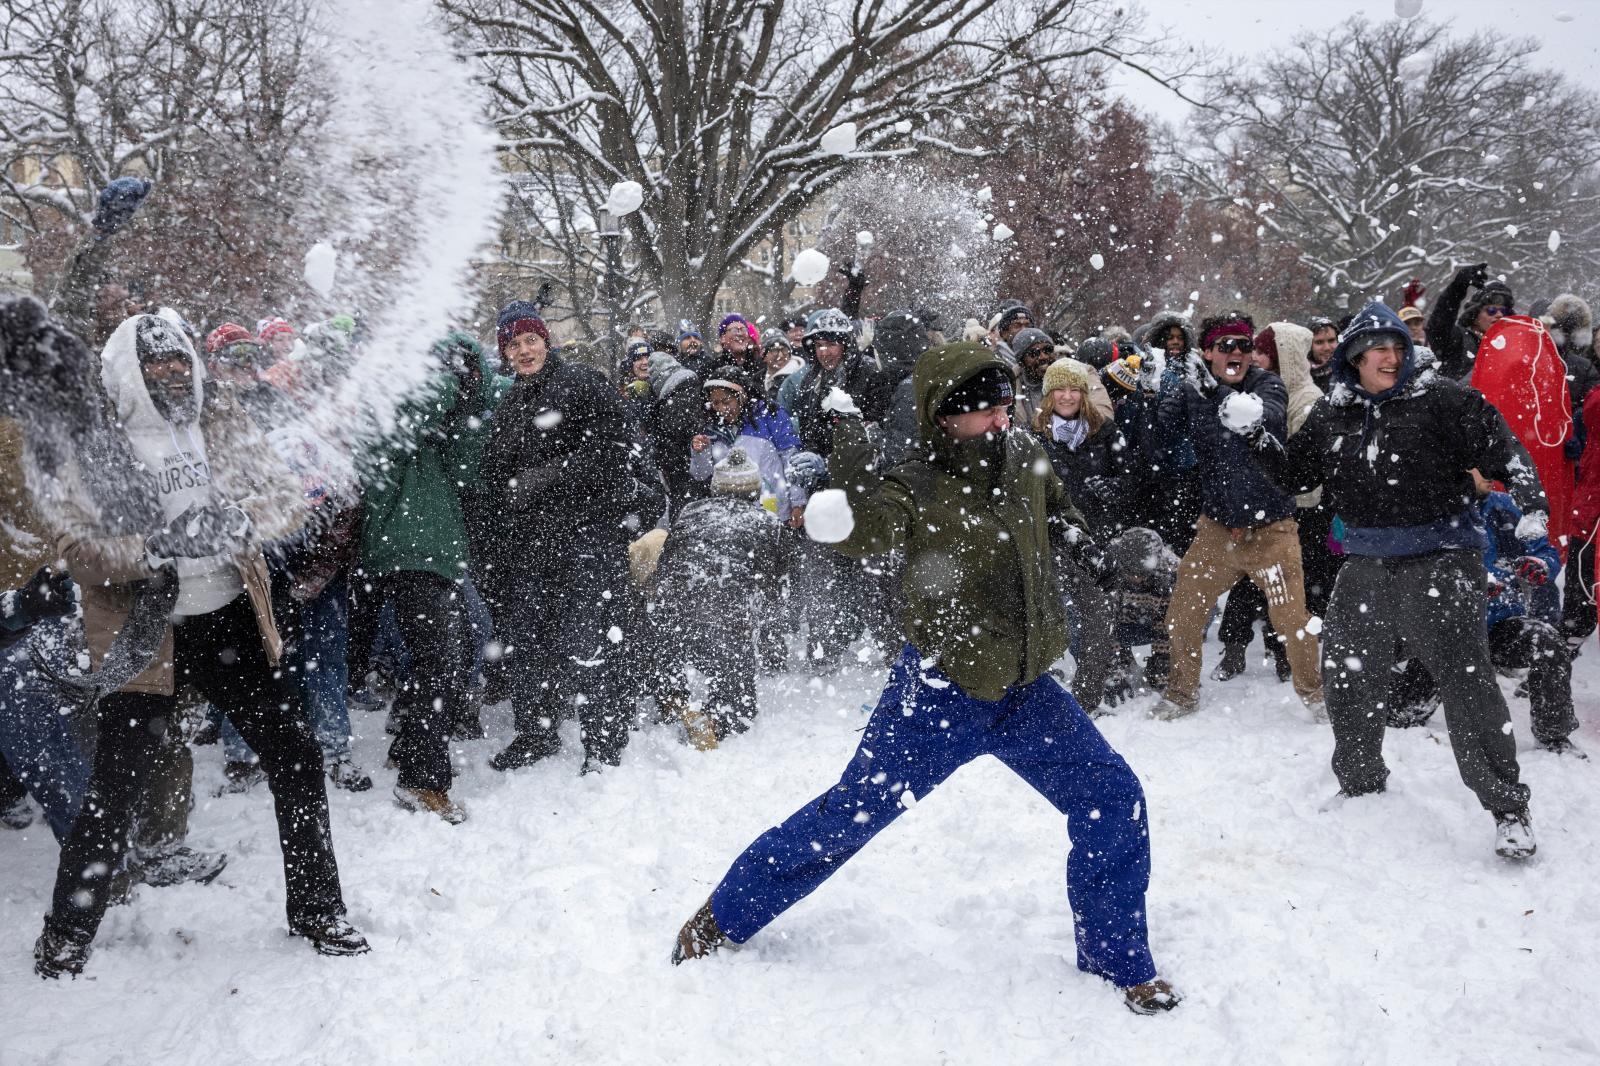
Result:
[{"x": 1260, "y": 26}]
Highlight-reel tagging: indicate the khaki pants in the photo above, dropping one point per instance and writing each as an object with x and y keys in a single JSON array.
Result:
[{"x": 1268, "y": 556}]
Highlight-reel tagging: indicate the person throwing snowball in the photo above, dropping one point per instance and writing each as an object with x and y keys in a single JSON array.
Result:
[{"x": 976, "y": 514}]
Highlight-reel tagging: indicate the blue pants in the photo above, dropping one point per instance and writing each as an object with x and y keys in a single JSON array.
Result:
[
  {"x": 923, "y": 729},
  {"x": 34, "y": 734}
]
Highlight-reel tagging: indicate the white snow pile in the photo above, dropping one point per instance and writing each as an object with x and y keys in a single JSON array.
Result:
[
  {"x": 840, "y": 140},
  {"x": 1382, "y": 931},
  {"x": 828, "y": 517},
  {"x": 810, "y": 267},
  {"x": 1242, "y": 412},
  {"x": 322, "y": 263},
  {"x": 625, "y": 198}
]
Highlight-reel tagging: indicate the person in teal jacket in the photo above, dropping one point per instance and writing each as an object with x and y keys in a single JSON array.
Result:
[{"x": 414, "y": 554}]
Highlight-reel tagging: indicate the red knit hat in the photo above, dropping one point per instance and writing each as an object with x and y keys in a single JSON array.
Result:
[
  {"x": 269, "y": 328},
  {"x": 226, "y": 334}
]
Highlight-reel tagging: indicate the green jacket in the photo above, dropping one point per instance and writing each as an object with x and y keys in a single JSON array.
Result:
[
  {"x": 413, "y": 480},
  {"x": 981, "y": 590}
]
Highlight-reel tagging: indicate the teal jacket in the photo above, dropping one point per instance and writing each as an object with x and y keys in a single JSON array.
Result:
[{"x": 414, "y": 479}]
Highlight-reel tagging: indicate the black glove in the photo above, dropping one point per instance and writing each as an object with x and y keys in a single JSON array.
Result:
[
  {"x": 48, "y": 594},
  {"x": 1094, "y": 562},
  {"x": 852, "y": 273},
  {"x": 546, "y": 293},
  {"x": 118, "y": 202},
  {"x": 1100, "y": 487},
  {"x": 1477, "y": 274},
  {"x": 200, "y": 532}
]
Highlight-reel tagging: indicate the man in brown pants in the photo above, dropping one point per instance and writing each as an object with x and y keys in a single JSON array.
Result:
[{"x": 1247, "y": 526}]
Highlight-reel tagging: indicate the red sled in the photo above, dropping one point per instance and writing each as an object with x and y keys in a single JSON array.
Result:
[{"x": 1519, "y": 370}]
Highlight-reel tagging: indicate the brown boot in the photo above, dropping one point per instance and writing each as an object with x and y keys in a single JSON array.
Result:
[
  {"x": 698, "y": 725},
  {"x": 430, "y": 801},
  {"x": 1152, "y": 997},
  {"x": 699, "y": 936}
]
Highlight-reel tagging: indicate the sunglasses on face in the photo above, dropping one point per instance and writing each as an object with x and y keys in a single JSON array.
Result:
[
  {"x": 1495, "y": 312},
  {"x": 1037, "y": 353},
  {"x": 1229, "y": 345}
]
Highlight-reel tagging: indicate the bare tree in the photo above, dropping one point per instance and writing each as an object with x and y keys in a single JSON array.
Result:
[
  {"x": 718, "y": 108},
  {"x": 217, "y": 101},
  {"x": 1392, "y": 150}
]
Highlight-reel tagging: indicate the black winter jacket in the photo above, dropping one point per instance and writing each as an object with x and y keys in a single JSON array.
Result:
[
  {"x": 719, "y": 569},
  {"x": 562, "y": 470},
  {"x": 1235, "y": 490},
  {"x": 1097, "y": 478},
  {"x": 1394, "y": 465}
]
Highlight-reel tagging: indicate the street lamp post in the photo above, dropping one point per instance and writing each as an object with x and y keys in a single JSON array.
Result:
[{"x": 609, "y": 230}]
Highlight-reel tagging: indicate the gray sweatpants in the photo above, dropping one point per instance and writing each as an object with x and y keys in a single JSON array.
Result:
[{"x": 1436, "y": 603}]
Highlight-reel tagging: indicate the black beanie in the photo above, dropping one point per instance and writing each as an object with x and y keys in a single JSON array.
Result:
[{"x": 989, "y": 387}]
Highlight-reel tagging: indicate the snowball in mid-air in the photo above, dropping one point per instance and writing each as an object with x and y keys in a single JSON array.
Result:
[
  {"x": 626, "y": 198},
  {"x": 1003, "y": 232},
  {"x": 841, "y": 140},
  {"x": 864, "y": 239},
  {"x": 1097, "y": 261},
  {"x": 903, "y": 126},
  {"x": 321, "y": 263},
  {"x": 1407, "y": 9},
  {"x": 828, "y": 517},
  {"x": 810, "y": 267},
  {"x": 1555, "y": 241}
]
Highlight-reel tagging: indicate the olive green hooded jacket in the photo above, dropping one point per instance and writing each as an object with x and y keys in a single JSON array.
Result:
[{"x": 975, "y": 520}]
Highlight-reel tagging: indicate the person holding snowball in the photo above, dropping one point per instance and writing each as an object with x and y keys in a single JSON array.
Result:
[
  {"x": 978, "y": 514},
  {"x": 1246, "y": 526}
]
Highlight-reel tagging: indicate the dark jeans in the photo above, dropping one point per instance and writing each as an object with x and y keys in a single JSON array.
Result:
[
  {"x": 1436, "y": 603},
  {"x": 1513, "y": 643},
  {"x": 567, "y": 628},
  {"x": 1577, "y": 604},
  {"x": 221, "y": 654},
  {"x": 431, "y": 615}
]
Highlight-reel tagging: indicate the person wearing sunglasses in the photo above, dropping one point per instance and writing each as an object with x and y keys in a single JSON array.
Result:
[
  {"x": 1246, "y": 526},
  {"x": 1458, "y": 321}
]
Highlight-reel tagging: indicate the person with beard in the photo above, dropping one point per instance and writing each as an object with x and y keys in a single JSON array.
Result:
[
  {"x": 566, "y": 489},
  {"x": 1010, "y": 320},
  {"x": 1246, "y": 526},
  {"x": 1458, "y": 321},
  {"x": 171, "y": 487},
  {"x": 832, "y": 361},
  {"x": 1393, "y": 446},
  {"x": 984, "y": 624}
]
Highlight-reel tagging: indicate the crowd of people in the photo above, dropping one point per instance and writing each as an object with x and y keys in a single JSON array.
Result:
[{"x": 595, "y": 535}]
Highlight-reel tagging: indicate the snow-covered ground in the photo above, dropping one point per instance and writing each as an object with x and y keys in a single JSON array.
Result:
[{"x": 1384, "y": 931}]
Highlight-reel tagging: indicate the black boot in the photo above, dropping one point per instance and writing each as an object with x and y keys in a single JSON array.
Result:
[
  {"x": 1280, "y": 659},
  {"x": 526, "y": 749},
  {"x": 60, "y": 951},
  {"x": 1232, "y": 664},
  {"x": 333, "y": 935}
]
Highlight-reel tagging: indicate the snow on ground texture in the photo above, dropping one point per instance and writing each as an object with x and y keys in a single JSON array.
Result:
[{"x": 1385, "y": 931}]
